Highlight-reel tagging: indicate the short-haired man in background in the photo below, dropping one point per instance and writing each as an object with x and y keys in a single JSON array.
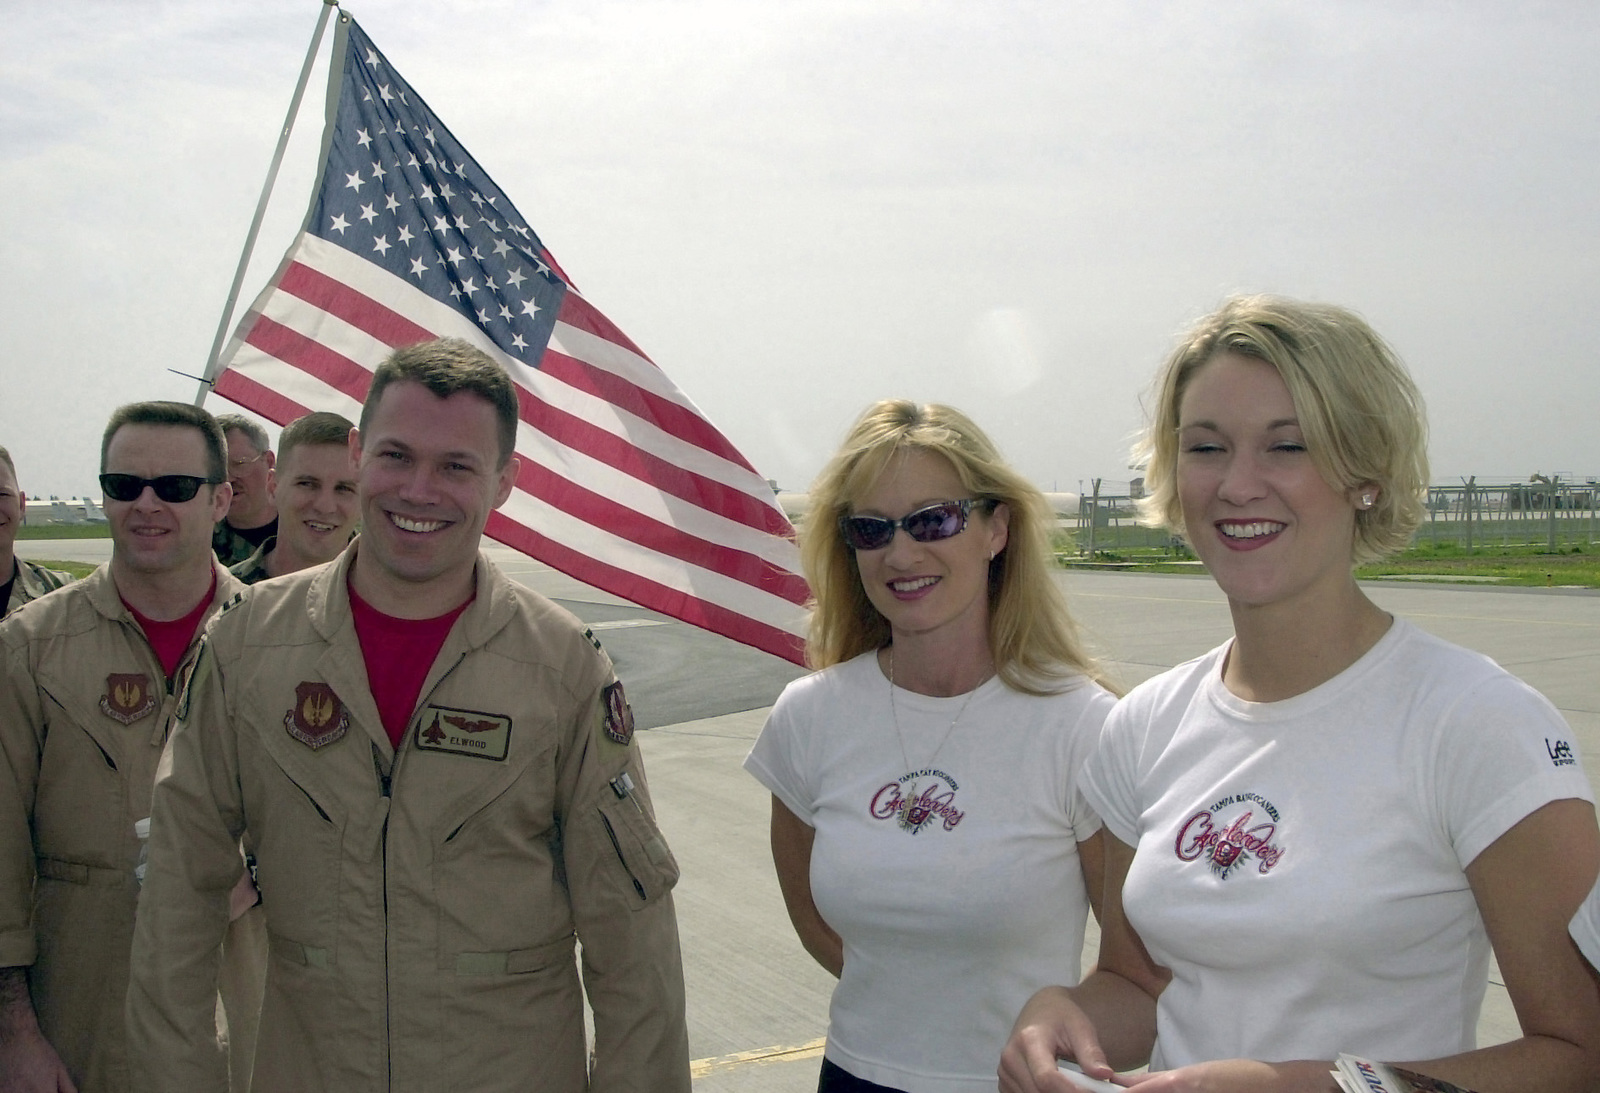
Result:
[
  {"x": 434, "y": 769},
  {"x": 24, "y": 581},
  {"x": 86, "y": 696},
  {"x": 251, "y": 515},
  {"x": 314, "y": 489}
]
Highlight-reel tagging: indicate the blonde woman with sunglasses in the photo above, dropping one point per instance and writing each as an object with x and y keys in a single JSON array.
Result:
[{"x": 930, "y": 840}]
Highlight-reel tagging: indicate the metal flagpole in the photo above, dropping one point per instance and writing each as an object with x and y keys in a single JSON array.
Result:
[{"x": 261, "y": 207}]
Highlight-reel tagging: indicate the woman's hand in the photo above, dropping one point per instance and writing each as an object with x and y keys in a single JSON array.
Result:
[{"x": 1051, "y": 1026}]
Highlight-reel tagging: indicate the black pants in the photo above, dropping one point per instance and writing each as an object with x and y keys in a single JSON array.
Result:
[{"x": 833, "y": 1079}]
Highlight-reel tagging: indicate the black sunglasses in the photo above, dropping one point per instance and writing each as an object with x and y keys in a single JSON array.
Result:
[
  {"x": 171, "y": 488},
  {"x": 926, "y": 525}
]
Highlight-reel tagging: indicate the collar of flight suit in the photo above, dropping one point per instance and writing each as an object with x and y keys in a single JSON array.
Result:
[
  {"x": 493, "y": 605},
  {"x": 101, "y": 588}
]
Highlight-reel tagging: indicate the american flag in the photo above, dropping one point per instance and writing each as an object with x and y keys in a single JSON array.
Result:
[{"x": 624, "y": 485}]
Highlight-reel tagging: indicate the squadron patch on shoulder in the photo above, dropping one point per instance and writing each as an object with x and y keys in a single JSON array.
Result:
[
  {"x": 317, "y": 718},
  {"x": 619, "y": 715},
  {"x": 128, "y": 697},
  {"x": 464, "y": 732}
]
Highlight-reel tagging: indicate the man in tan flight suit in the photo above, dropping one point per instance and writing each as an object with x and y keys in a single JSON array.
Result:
[
  {"x": 434, "y": 768},
  {"x": 26, "y": 580},
  {"x": 86, "y": 692}
]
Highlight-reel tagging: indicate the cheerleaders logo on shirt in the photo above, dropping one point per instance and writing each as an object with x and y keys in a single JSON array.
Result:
[
  {"x": 1228, "y": 835},
  {"x": 915, "y": 803}
]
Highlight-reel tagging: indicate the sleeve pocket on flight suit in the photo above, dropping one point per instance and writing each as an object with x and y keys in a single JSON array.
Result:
[{"x": 644, "y": 863}]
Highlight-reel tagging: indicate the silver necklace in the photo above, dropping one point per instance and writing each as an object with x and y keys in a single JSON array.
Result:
[{"x": 949, "y": 731}]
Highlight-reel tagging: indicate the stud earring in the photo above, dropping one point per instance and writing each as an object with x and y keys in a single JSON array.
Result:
[{"x": 1366, "y": 500}]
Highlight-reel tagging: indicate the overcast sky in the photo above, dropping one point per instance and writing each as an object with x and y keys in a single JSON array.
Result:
[{"x": 798, "y": 208}]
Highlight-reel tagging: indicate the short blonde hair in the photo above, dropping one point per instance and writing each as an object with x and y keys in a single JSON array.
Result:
[
  {"x": 1032, "y": 637},
  {"x": 1360, "y": 412}
]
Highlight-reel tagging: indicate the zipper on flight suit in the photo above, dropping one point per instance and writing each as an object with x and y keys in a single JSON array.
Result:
[{"x": 622, "y": 786}]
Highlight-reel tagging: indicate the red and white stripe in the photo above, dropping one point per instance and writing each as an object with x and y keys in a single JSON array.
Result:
[{"x": 624, "y": 483}]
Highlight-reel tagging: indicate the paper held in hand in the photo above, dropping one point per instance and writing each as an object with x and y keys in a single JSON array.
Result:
[
  {"x": 1357, "y": 1075},
  {"x": 1083, "y": 1081}
]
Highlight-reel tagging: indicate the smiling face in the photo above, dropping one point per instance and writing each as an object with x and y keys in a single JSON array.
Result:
[
  {"x": 248, "y": 471},
  {"x": 1256, "y": 510},
  {"x": 151, "y": 537},
  {"x": 429, "y": 477},
  {"x": 315, "y": 490},
  {"x": 938, "y": 589}
]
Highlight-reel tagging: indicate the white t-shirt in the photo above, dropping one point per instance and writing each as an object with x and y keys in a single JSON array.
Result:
[
  {"x": 1585, "y": 927},
  {"x": 950, "y": 872},
  {"x": 1299, "y": 864}
]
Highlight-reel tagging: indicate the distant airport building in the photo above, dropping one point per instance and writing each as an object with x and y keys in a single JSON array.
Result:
[{"x": 78, "y": 510}]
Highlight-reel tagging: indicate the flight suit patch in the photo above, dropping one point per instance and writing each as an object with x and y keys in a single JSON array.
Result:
[
  {"x": 318, "y": 718},
  {"x": 619, "y": 715},
  {"x": 128, "y": 697},
  {"x": 464, "y": 732}
]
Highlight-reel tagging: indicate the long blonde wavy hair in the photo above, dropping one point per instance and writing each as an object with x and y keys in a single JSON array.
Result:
[{"x": 1035, "y": 643}]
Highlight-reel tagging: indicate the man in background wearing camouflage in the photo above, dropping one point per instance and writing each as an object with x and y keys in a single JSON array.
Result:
[
  {"x": 24, "y": 580},
  {"x": 251, "y": 515}
]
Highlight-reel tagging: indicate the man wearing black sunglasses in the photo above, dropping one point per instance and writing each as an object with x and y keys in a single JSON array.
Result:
[{"x": 86, "y": 695}]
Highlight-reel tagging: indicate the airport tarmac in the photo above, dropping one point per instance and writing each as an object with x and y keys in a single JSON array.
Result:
[{"x": 757, "y": 1003}]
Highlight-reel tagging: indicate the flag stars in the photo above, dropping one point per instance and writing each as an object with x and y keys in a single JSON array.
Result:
[
  {"x": 477, "y": 199},
  {"x": 384, "y": 93},
  {"x": 427, "y": 194},
  {"x": 411, "y": 160},
  {"x": 418, "y": 268},
  {"x": 362, "y": 138},
  {"x": 441, "y": 224},
  {"x": 531, "y": 309},
  {"x": 372, "y": 59},
  {"x": 501, "y": 248},
  {"x": 405, "y": 235},
  {"x": 381, "y": 244},
  {"x": 488, "y": 283},
  {"x": 353, "y": 182},
  {"x": 455, "y": 290},
  {"x": 339, "y": 224},
  {"x": 519, "y": 341},
  {"x": 505, "y": 312},
  {"x": 460, "y": 222},
  {"x": 377, "y": 170},
  {"x": 477, "y": 256},
  {"x": 446, "y": 192},
  {"x": 516, "y": 277},
  {"x": 391, "y": 203},
  {"x": 470, "y": 285},
  {"x": 455, "y": 257},
  {"x": 428, "y": 136},
  {"x": 368, "y": 213},
  {"x": 483, "y": 317}
]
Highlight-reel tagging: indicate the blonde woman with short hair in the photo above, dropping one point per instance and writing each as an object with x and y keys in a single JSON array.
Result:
[{"x": 1316, "y": 832}]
